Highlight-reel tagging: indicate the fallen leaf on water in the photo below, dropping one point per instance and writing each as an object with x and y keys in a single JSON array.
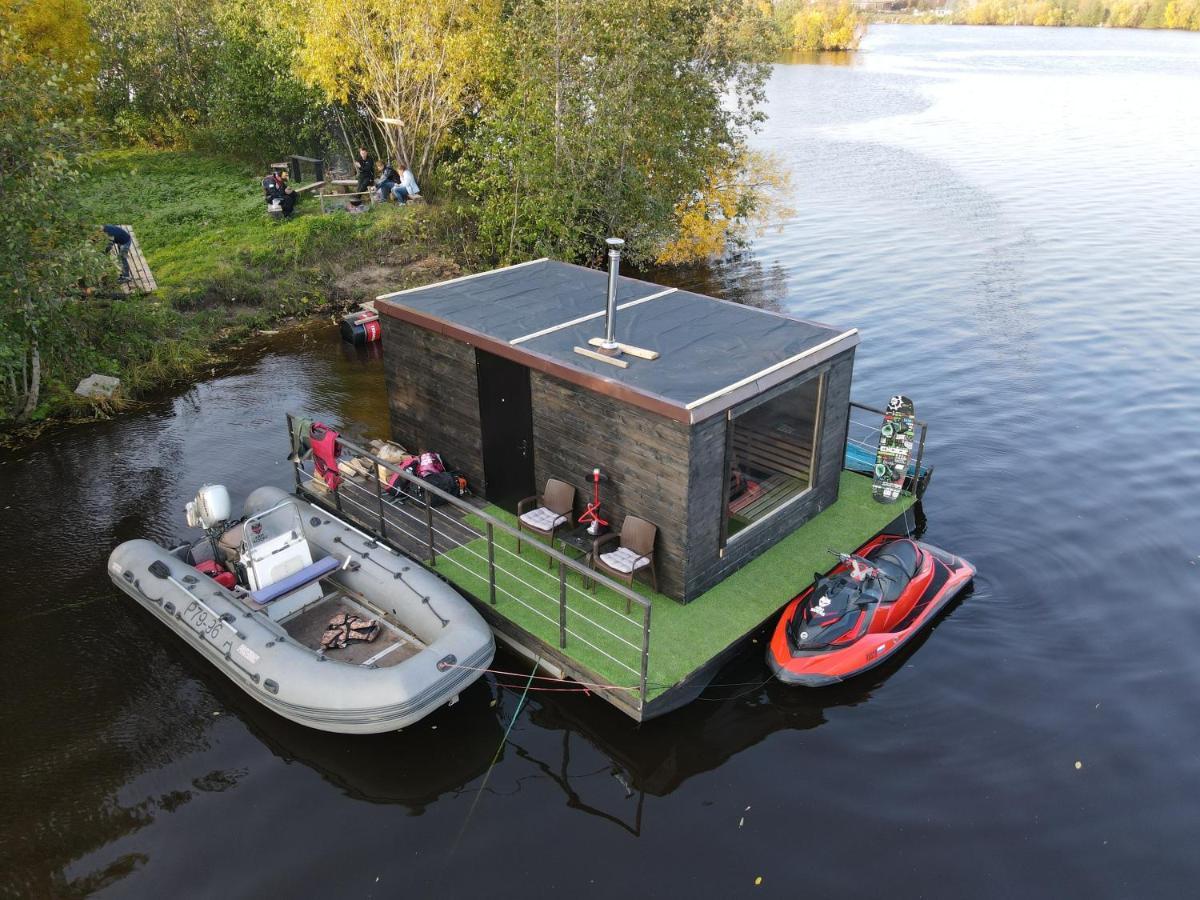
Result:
[
  {"x": 1078, "y": 764},
  {"x": 758, "y": 881}
]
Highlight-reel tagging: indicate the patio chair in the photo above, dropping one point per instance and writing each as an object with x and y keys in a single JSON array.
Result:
[
  {"x": 634, "y": 552},
  {"x": 547, "y": 512}
]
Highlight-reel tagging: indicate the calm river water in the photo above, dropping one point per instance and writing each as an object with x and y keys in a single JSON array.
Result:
[{"x": 1012, "y": 219}]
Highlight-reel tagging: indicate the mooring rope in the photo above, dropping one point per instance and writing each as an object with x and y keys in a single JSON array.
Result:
[
  {"x": 495, "y": 759},
  {"x": 586, "y": 687}
]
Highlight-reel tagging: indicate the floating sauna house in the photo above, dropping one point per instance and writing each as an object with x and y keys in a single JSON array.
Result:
[{"x": 730, "y": 438}]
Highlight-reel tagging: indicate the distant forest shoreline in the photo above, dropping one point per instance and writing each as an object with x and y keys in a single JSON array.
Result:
[{"x": 1174, "y": 15}]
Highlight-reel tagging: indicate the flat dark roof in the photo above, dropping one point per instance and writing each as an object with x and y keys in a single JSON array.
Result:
[{"x": 713, "y": 353}]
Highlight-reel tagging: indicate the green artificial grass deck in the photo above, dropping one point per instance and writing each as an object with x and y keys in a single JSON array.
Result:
[{"x": 682, "y": 637}]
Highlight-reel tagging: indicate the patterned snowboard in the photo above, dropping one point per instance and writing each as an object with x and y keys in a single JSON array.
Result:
[{"x": 895, "y": 447}]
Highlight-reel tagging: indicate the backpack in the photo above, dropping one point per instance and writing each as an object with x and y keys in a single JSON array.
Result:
[
  {"x": 443, "y": 481},
  {"x": 429, "y": 464}
]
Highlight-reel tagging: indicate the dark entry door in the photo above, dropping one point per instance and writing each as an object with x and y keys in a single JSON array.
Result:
[{"x": 506, "y": 420}]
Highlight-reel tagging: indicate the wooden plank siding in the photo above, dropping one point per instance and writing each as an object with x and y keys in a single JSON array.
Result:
[
  {"x": 657, "y": 468},
  {"x": 433, "y": 395},
  {"x": 643, "y": 455}
]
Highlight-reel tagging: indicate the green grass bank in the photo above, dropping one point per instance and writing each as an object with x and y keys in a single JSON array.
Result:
[{"x": 225, "y": 269}]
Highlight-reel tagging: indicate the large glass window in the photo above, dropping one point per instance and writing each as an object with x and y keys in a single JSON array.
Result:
[{"x": 770, "y": 454}]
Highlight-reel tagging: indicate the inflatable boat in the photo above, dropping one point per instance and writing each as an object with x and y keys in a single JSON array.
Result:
[
  {"x": 311, "y": 617},
  {"x": 868, "y": 607}
]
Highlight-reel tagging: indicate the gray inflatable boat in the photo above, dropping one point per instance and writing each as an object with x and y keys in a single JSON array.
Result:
[{"x": 295, "y": 574}]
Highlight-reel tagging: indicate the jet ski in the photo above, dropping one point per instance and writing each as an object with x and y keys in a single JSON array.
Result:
[{"x": 864, "y": 610}]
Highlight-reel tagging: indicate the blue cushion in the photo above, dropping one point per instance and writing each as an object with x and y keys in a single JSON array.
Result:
[{"x": 308, "y": 574}]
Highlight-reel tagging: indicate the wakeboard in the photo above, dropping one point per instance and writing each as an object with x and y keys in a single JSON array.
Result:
[{"x": 895, "y": 447}]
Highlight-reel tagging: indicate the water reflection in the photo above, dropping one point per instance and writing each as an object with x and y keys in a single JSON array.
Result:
[
  {"x": 820, "y": 57},
  {"x": 413, "y": 768}
]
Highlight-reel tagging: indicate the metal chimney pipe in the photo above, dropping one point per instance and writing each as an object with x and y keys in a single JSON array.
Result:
[{"x": 614, "y": 267}]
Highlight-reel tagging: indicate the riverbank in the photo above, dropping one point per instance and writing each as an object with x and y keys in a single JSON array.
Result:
[{"x": 226, "y": 271}]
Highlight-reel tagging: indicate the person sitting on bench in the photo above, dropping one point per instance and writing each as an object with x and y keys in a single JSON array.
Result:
[
  {"x": 272, "y": 187},
  {"x": 407, "y": 188},
  {"x": 366, "y": 170},
  {"x": 287, "y": 196},
  {"x": 388, "y": 180}
]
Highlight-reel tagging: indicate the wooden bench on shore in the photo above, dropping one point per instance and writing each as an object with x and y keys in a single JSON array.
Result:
[{"x": 140, "y": 277}]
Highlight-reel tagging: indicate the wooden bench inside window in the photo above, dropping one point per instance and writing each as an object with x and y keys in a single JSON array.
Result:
[{"x": 772, "y": 451}]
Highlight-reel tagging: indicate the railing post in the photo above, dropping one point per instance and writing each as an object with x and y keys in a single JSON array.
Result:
[
  {"x": 379, "y": 500},
  {"x": 920, "y": 455},
  {"x": 562, "y": 605},
  {"x": 429, "y": 526},
  {"x": 645, "y": 653},
  {"x": 491, "y": 563}
]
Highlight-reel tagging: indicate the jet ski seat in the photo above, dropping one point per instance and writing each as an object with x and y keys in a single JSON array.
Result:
[{"x": 901, "y": 554}]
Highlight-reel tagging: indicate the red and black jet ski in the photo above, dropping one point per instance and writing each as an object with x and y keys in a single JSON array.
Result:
[{"x": 864, "y": 610}]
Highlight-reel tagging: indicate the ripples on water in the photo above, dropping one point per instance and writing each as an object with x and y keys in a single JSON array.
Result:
[{"x": 1010, "y": 218}]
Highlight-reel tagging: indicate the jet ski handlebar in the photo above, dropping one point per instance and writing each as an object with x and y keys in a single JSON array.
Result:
[{"x": 860, "y": 567}]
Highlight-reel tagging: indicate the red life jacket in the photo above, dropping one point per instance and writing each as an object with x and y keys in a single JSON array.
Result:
[{"x": 324, "y": 444}]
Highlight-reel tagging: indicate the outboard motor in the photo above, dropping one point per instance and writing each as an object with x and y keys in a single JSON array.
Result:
[
  {"x": 211, "y": 507},
  {"x": 210, "y": 511}
]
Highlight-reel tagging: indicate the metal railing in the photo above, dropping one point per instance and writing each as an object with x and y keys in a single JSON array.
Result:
[
  {"x": 580, "y": 616},
  {"x": 862, "y": 432}
]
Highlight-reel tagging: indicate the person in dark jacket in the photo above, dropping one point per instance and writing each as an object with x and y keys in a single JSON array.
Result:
[
  {"x": 366, "y": 170},
  {"x": 121, "y": 240},
  {"x": 388, "y": 180},
  {"x": 287, "y": 196},
  {"x": 272, "y": 186}
]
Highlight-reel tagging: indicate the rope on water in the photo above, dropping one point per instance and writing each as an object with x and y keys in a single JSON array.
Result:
[{"x": 495, "y": 758}]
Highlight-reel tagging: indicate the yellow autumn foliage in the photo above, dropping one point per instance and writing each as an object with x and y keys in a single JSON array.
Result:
[
  {"x": 413, "y": 67},
  {"x": 820, "y": 24},
  {"x": 743, "y": 195},
  {"x": 53, "y": 30}
]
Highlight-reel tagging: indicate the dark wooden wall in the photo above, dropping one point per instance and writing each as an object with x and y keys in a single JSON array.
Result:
[
  {"x": 705, "y": 564},
  {"x": 658, "y": 469},
  {"x": 433, "y": 395},
  {"x": 644, "y": 456}
]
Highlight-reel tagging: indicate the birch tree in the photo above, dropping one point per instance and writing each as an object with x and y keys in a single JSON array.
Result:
[{"x": 413, "y": 68}]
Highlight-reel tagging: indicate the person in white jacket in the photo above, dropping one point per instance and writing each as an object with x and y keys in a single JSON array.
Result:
[{"x": 406, "y": 188}]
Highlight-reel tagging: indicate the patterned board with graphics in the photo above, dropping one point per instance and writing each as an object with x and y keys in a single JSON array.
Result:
[{"x": 895, "y": 447}]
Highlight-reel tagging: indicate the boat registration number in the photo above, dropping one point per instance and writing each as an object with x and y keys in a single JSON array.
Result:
[{"x": 200, "y": 619}]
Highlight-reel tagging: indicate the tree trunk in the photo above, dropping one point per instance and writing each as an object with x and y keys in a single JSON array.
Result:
[{"x": 35, "y": 383}]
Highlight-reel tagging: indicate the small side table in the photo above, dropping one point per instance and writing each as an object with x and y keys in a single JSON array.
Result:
[{"x": 579, "y": 538}]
